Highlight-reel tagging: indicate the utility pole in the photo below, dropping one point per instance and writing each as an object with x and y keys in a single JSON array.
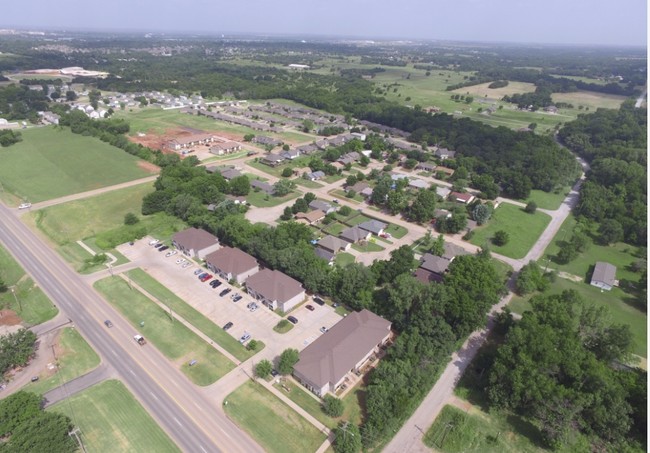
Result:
[{"x": 20, "y": 305}]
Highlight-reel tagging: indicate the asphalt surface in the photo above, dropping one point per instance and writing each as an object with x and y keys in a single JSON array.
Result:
[{"x": 181, "y": 409}]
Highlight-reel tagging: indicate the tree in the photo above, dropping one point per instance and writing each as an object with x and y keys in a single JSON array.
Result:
[
  {"x": 481, "y": 213},
  {"x": 364, "y": 161},
  {"x": 70, "y": 95},
  {"x": 283, "y": 187},
  {"x": 249, "y": 137},
  {"x": 351, "y": 180},
  {"x": 345, "y": 210},
  {"x": 530, "y": 279},
  {"x": 16, "y": 349},
  {"x": 438, "y": 246},
  {"x": 287, "y": 214},
  {"x": 288, "y": 359},
  {"x": 263, "y": 369},
  {"x": 401, "y": 262},
  {"x": 287, "y": 172},
  {"x": 396, "y": 201},
  {"x": 610, "y": 231},
  {"x": 307, "y": 126},
  {"x": 423, "y": 208},
  {"x": 347, "y": 439},
  {"x": 332, "y": 406},
  {"x": 409, "y": 163},
  {"x": 531, "y": 207},
  {"x": 130, "y": 219},
  {"x": 501, "y": 238},
  {"x": 380, "y": 192},
  {"x": 309, "y": 197},
  {"x": 240, "y": 185}
]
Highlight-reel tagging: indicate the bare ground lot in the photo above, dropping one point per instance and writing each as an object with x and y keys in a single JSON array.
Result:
[{"x": 482, "y": 90}]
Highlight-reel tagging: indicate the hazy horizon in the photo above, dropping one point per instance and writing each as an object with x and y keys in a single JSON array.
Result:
[{"x": 554, "y": 22}]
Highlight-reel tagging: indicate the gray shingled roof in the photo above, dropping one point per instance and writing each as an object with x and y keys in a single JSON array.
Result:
[
  {"x": 231, "y": 260},
  {"x": 195, "y": 239},
  {"x": 604, "y": 272},
  {"x": 374, "y": 226},
  {"x": 435, "y": 264},
  {"x": 274, "y": 285}
]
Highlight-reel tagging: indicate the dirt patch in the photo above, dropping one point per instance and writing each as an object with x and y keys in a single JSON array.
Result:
[
  {"x": 148, "y": 166},
  {"x": 9, "y": 318}
]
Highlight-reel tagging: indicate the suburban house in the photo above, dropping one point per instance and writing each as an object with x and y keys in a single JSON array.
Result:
[
  {"x": 426, "y": 276},
  {"x": 418, "y": 184},
  {"x": 275, "y": 290},
  {"x": 322, "y": 144},
  {"x": 190, "y": 141},
  {"x": 434, "y": 264},
  {"x": 326, "y": 255},
  {"x": 310, "y": 217},
  {"x": 307, "y": 149},
  {"x": 345, "y": 348},
  {"x": 355, "y": 234},
  {"x": 452, "y": 251},
  {"x": 263, "y": 186},
  {"x": 444, "y": 153},
  {"x": 291, "y": 154},
  {"x": 445, "y": 170},
  {"x": 374, "y": 226},
  {"x": 426, "y": 166},
  {"x": 465, "y": 198},
  {"x": 442, "y": 213},
  {"x": 604, "y": 276},
  {"x": 367, "y": 192},
  {"x": 333, "y": 244},
  {"x": 230, "y": 173},
  {"x": 195, "y": 242},
  {"x": 232, "y": 264},
  {"x": 314, "y": 176},
  {"x": 272, "y": 160},
  {"x": 266, "y": 141},
  {"x": 359, "y": 187},
  {"x": 225, "y": 148},
  {"x": 323, "y": 206},
  {"x": 443, "y": 192}
]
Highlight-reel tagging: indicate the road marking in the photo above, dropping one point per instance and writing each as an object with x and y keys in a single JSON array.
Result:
[
  {"x": 114, "y": 353},
  {"x": 131, "y": 371},
  {"x": 203, "y": 449},
  {"x": 177, "y": 422},
  {"x": 154, "y": 396}
]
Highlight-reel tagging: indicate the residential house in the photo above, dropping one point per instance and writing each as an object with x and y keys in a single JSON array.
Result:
[
  {"x": 263, "y": 186},
  {"x": 311, "y": 217},
  {"x": 322, "y": 144},
  {"x": 272, "y": 160},
  {"x": 275, "y": 290},
  {"x": 418, "y": 184},
  {"x": 444, "y": 153},
  {"x": 195, "y": 242},
  {"x": 307, "y": 149},
  {"x": 346, "y": 347},
  {"x": 333, "y": 244},
  {"x": 232, "y": 264},
  {"x": 464, "y": 198},
  {"x": 443, "y": 192},
  {"x": 354, "y": 234},
  {"x": 314, "y": 176},
  {"x": 366, "y": 193},
  {"x": 426, "y": 276},
  {"x": 225, "y": 148},
  {"x": 374, "y": 226},
  {"x": 435, "y": 264},
  {"x": 266, "y": 141},
  {"x": 230, "y": 173},
  {"x": 323, "y": 206},
  {"x": 426, "y": 166},
  {"x": 190, "y": 141},
  {"x": 551, "y": 109},
  {"x": 446, "y": 171},
  {"x": 326, "y": 255},
  {"x": 604, "y": 276},
  {"x": 442, "y": 213},
  {"x": 291, "y": 154},
  {"x": 359, "y": 187}
]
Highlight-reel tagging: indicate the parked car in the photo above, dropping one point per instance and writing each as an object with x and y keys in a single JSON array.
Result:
[
  {"x": 224, "y": 292},
  {"x": 245, "y": 337},
  {"x": 227, "y": 326},
  {"x": 34, "y": 378},
  {"x": 180, "y": 260},
  {"x": 309, "y": 307},
  {"x": 237, "y": 298},
  {"x": 108, "y": 323},
  {"x": 154, "y": 242},
  {"x": 323, "y": 329},
  {"x": 171, "y": 253},
  {"x": 274, "y": 372},
  {"x": 163, "y": 248},
  {"x": 292, "y": 319},
  {"x": 24, "y": 205},
  {"x": 206, "y": 277},
  {"x": 254, "y": 307},
  {"x": 158, "y": 245},
  {"x": 187, "y": 264},
  {"x": 319, "y": 301},
  {"x": 202, "y": 274},
  {"x": 140, "y": 339},
  {"x": 198, "y": 271},
  {"x": 215, "y": 283}
]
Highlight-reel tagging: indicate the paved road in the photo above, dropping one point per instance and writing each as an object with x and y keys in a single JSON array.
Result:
[
  {"x": 99, "y": 374},
  {"x": 639, "y": 100},
  {"x": 194, "y": 424}
]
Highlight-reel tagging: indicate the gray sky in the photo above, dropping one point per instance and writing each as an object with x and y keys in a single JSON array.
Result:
[{"x": 610, "y": 22}]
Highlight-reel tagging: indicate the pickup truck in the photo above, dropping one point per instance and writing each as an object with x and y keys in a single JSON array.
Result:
[{"x": 140, "y": 339}]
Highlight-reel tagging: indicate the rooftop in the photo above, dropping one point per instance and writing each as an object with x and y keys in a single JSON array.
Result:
[
  {"x": 274, "y": 285},
  {"x": 195, "y": 239},
  {"x": 231, "y": 260}
]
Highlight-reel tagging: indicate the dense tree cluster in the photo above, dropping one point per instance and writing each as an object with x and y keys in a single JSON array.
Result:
[
  {"x": 556, "y": 370},
  {"x": 616, "y": 188},
  {"x": 18, "y": 102},
  {"x": 9, "y": 137},
  {"x": 16, "y": 349}
]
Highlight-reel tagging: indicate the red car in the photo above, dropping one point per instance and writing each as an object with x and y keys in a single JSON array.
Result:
[
  {"x": 309, "y": 307},
  {"x": 205, "y": 278}
]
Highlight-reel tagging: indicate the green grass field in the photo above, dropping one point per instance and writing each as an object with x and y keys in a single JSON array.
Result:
[
  {"x": 172, "y": 338},
  {"x": 456, "y": 431},
  {"x": 74, "y": 357},
  {"x": 334, "y": 228},
  {"x": 548, "y": 200},
  {"x": 343, "y": 259},
  {"x": 368, "y": 247},
  {"x": 621, "y": 306},
  {"x": 309, "y": 403},
  {"x": 111, "y": 419},
  {"x": 283, "y": 326},
  {"x": 262, "y": 200},
  {"x": 27, "y": 299},
  {"x": 523, "y": 228},
  {"x": 197, "y": 319},
  {"x": 50, "y": 163},
  {"x": 273, "y": 424},
  {"x": 398, "y": 232}
]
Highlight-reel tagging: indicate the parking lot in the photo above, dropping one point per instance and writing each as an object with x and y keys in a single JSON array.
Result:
[{"x": 221, "y": 310}]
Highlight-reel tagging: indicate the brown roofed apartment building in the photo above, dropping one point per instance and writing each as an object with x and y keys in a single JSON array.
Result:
[
  {"x": 275, "y": 290},
  {"x": 195, "y": 242},
  {"x": 345, "y": 348},
  {"x": 232, "y": 264}
]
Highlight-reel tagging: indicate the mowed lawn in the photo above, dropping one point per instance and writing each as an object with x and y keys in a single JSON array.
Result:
[
  {"x": 80, "y": 219},
  {"x": 273, "y": 424},
  {"x": 75, "y": 358},
  {"x": 51, "y": 163},
  {"x": 172, "y": 338},
  {"x": 111, "y": 419},
  {"x": 523, "y": 228}
]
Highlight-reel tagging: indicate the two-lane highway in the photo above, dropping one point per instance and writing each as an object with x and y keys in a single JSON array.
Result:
[{"x": 194, "y": 424}]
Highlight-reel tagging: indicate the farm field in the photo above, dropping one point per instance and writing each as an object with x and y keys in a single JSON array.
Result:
[
  {"x": 75, "y": 358},
  {"x": 483, "y": 91},
  {"x": 111, "y": 419},
  {"x": 523, "y": 228},
  {"x": 50, "y": 163},
  {"x": 590, "y": 99},
  {"x": 252, "y": 407},
  {"x": 173, "y": 339}
]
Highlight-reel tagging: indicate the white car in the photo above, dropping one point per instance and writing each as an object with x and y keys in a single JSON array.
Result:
[
  {"x": 186, "y": 264},
  {"x": 154, "y": 242},
  {"x": 180, "y": 261},
  {"x": 172, "y": 253},
  {"x": 25, "y": 206}
]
